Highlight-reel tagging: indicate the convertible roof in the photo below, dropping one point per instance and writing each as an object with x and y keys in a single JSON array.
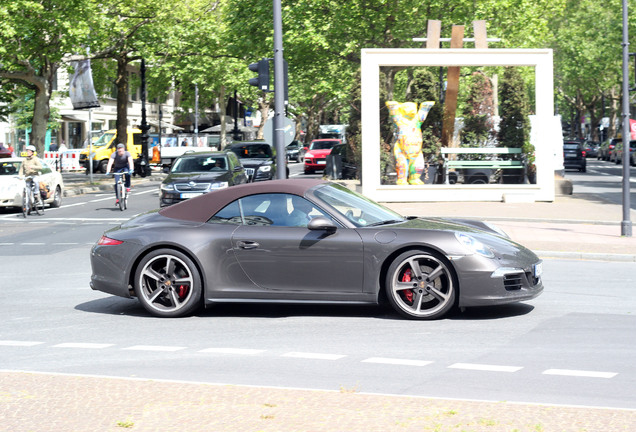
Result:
[{"x": 201, "y": 208}]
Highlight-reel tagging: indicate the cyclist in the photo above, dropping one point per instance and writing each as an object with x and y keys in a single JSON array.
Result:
[
  {"x": 122, "y": 162},
  {"x": 31, "y": 167}
]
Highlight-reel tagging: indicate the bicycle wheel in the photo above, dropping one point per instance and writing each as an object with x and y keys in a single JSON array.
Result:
[
  {"x": 120, "y": 194},
  {"x": 25, "y": 204},
  {"x": 38, "y": 204}
]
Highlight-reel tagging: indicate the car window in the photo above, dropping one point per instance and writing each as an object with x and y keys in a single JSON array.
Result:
[
  {"x": 283, "y": 210},
  {"x": 253, "y": 151},
  {"x": 230, "y": 215},
  {"x": 9, "y": 168},
  {"x": 322, "y": 145},
  {"x": 570, "y": 146},
  {"x": 45, "y": 168}
]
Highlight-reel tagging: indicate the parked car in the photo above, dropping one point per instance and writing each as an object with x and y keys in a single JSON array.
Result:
[
  {"x": 308, "y": 240},
  {"x": 258, "y": 158},
  {"x": 591, "y": 149},
  {"x": 606, "y": 148},
  {"x": 194, "y": 174},
  {"x": 296, "y": 151},
  {"x": 617, "y": 153},
  {"x": 5, "y": 152},
  {"x": 574, "y": 156},
  {"x": 344, "y": 165},
  {"x": 12, "y": 186},
  {"x": 316, "y": 156}
]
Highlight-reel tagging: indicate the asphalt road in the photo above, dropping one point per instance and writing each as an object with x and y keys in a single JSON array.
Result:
[{"x": 573, "y": 345}]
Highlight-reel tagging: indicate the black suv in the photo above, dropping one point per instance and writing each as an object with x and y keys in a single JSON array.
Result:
[
  {"x": 574, "y": 156},
  {"x": 340, "y": 163},
  {"x": 194, "y": 174},
  {"x": 258, "y": 158}
]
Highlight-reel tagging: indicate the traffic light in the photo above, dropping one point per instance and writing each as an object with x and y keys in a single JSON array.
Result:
[{"x": 262, "y": 68}]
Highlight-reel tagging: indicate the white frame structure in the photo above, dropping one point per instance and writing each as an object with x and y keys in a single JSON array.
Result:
[{"x": 540, "y": 59}]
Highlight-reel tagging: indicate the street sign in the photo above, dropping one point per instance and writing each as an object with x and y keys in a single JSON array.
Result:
[{"x": 289, "y": 130}]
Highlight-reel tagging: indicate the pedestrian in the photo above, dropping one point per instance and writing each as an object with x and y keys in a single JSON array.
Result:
[
  {"x": 11, "y": 150},
  {"x": 53, "y": 147},
  {"x": 62, "y": 147}
]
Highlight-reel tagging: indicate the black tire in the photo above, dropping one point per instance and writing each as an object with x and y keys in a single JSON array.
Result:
[
  {"x": 57, "y": 198},
  {"x": 411, "y": 290},
  {"x": 102, "y": 166},
  {"x": 121, "y": 197},
  {"x": 168, "y": 284},
  {"x": 25, "y": 204}
]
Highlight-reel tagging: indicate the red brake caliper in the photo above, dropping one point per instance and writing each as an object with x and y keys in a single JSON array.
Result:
[
  {"x": 406, "y": 277},
  {"x": 183, "y": 290}
]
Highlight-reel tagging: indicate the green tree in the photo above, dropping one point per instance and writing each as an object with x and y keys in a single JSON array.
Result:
[
  {"x": 514, "y": 127},
  {"x": 36, "y": 35},
  {"x": 479, "y": 114}
]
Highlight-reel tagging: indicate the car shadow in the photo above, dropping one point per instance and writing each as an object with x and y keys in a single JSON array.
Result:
[{"x": 132, "y": 307}]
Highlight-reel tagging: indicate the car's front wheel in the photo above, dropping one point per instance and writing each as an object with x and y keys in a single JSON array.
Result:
[
  {"x": 421, "y": 285},
  {"x": 168, "y": 284},
  {"x": 57, "y": 197}
]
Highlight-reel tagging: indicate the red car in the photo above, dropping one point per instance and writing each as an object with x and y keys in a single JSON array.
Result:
[
  {"x": 5, "y": 152},
  {"x": 316, "y": 156}
]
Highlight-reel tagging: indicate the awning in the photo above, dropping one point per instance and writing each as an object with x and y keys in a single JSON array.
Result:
[
  {"x": 164, "y": 125},
  {"x": 70, "y": 118},
  {"x": 229, "y": 127}
]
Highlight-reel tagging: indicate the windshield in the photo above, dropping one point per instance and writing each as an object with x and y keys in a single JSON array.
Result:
[
  {"x": 253, "y": 151},
  {"x": 355, "y": 207},
  {"x": 323, "y": 145},
  {"x": 190, "y": 164},
  {"x": 570, "y": 146},
  {"x": 10, "y": 168},
  {"x": 104, "y": 139}
]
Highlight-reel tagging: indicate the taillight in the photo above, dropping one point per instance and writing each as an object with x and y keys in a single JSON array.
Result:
[
  {"x": 107, "y": 241},
  {"x": 583, "y": 153}
]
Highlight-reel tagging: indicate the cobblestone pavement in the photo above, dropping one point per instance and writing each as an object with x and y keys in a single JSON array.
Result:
[{"x": 47, "y": 402}]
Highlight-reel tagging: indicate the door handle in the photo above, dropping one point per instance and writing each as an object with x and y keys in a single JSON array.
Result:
[{"x": 247, "y": 244}]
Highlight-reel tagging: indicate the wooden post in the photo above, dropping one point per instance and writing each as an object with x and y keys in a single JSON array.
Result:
[
  {"x": 452, "y": 89},
  {"x": 433, "y": 33},
  {"x": 479, "y": 28}
]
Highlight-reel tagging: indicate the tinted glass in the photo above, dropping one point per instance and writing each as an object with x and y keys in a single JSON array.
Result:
[
  {"x": 230, "y": 215},
  {"x": 355, "y": 207},
  {"x": 322, "y": 145},
  {"x": 570, "y": 146},
  {"x": 253, "y": 151}
]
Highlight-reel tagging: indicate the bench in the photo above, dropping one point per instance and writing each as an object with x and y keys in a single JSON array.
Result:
[{"x": 490, "y": 164}]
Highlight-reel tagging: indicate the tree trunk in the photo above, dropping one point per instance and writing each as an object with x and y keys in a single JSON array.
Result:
[
  {"x": 122, "y": 99},
  {"x": 42, "y": 108}
]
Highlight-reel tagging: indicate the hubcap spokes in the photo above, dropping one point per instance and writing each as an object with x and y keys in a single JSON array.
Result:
[
  {"x": 166, "y": 283},
  {"x": 426, "y": 288}
]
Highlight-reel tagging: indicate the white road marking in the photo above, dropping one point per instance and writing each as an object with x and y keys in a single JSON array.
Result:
[
  {"x": 315, "y": 356},
  {"x": 82, "y": 345},
  {"x": 238, "y": 351},
  {"x": 155, "y": 348},
  {"x": 485, "y": 367},
  {"x": 32, "y": 244},
  {"x": 19, "y": 343},
  {"x": 580, "y": 373},
  {"x": 394, "y": 361},
  {"x": 7, "y": 244}
]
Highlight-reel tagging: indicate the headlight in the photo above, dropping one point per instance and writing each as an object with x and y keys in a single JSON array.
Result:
[
  {"x": 218, "y": 185},
  {"x": 474, "y": 245},
  {"x": 309, "y": 155},
  {"x": 167, "y": 187},
  {"x": 265, "y": 168}
]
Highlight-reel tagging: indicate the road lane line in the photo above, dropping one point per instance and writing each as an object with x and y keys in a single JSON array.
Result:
[
  {"x": 232, "y": 351},
  {"x": 394, "y": 361},
  {"x": 485, "y": 367},
  {"x": 155, "y": 348},
  {"x": 315, "y": 356},
  {"x": 19, "y": 343},
  {"x": 82, "y": 345},
  {"x": 579, "y": 373}
]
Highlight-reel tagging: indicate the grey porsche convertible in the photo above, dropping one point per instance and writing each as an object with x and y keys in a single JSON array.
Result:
[{"x": 308, "y": 241}]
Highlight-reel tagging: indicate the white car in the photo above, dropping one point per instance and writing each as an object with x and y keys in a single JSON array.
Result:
[{"x": 12, "y": 186}]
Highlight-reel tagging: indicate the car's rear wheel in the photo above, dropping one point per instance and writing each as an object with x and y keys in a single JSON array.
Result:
[
  {"x": 168, "y": 284},
  {"x": 421, "y": 285}
]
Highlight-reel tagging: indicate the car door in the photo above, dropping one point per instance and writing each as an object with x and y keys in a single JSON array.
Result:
[{"x": 295, "y": 259}]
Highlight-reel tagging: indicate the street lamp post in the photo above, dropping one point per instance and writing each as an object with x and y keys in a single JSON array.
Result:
[
  {"x": 279, "y": 94},
  {"x": 626, "y": 224},
  {"x": 145, "y": 168}
]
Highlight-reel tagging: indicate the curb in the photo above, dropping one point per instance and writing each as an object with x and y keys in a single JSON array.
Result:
[{"x": 589, "y": 256}]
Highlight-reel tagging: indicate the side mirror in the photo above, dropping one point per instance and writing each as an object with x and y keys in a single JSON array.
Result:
[{"x": 321, "y": 223}]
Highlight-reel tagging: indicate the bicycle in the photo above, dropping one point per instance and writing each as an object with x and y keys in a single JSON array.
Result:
[
  {"x": 121, "y": 194},
  {"x": 31, "y": 198}
]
